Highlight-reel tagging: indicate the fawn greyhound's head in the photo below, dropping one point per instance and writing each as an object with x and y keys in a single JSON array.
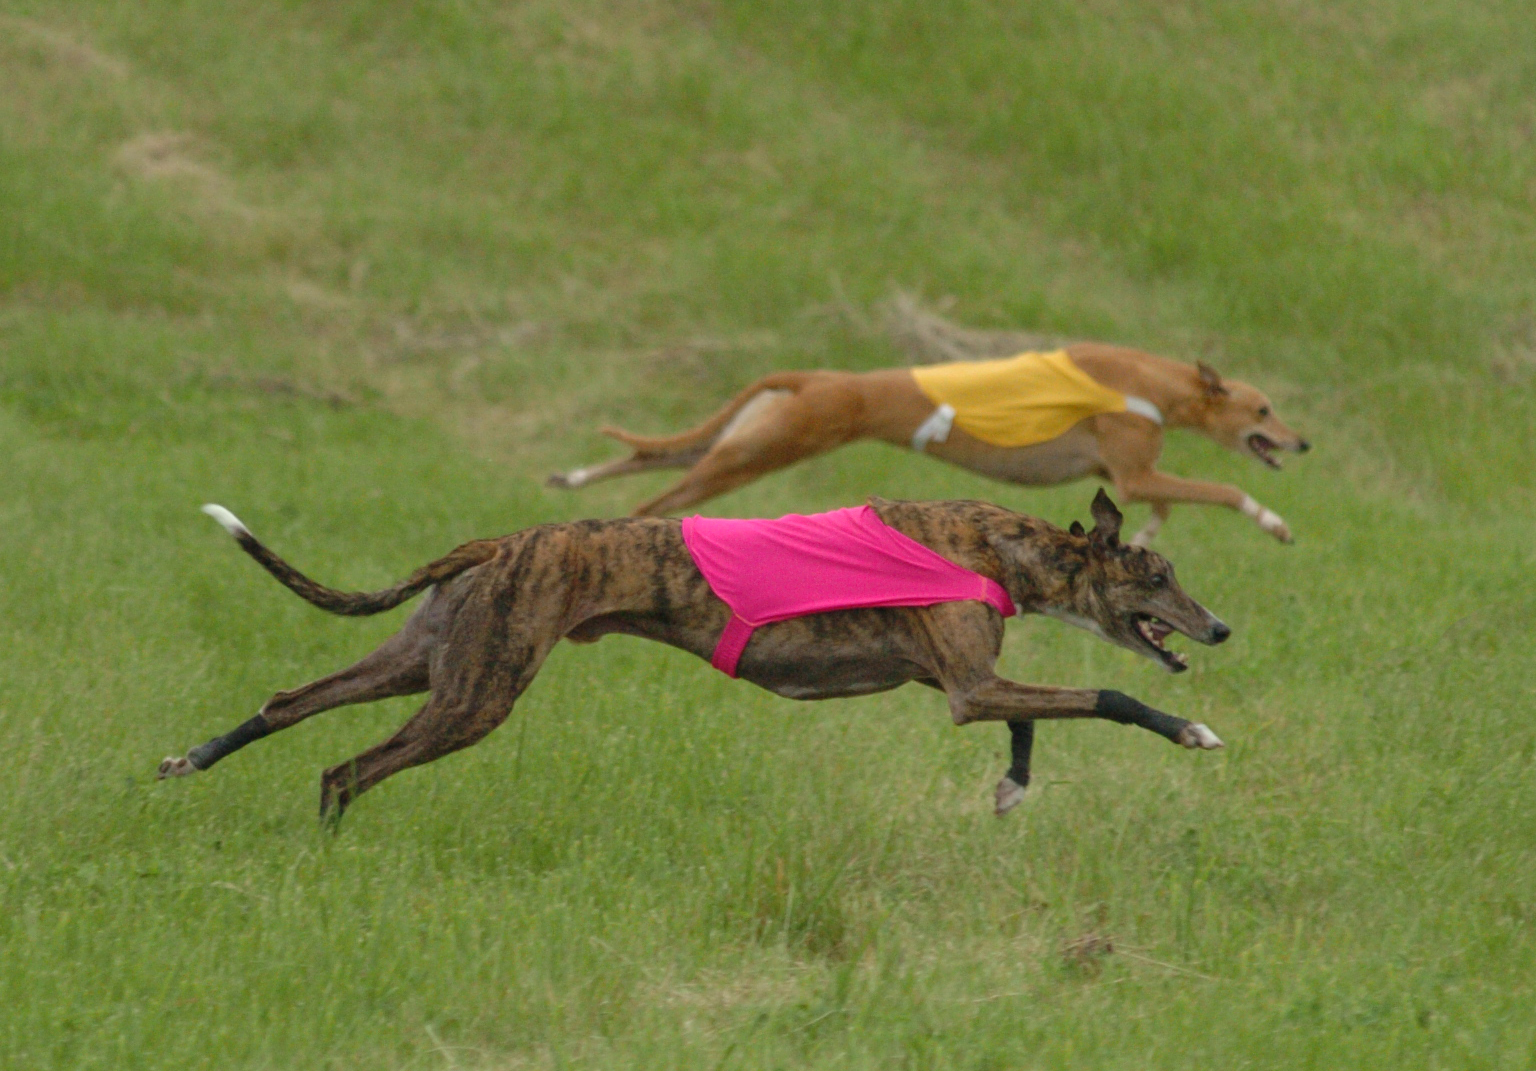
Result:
[
  {"x": 1243, "y": 419},
  {"x": 1125, "y": 594}
]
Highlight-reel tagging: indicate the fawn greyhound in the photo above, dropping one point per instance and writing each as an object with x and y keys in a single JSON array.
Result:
[
  {"x": 497, "y": 606},
  {"x": 789, "y": 416}
]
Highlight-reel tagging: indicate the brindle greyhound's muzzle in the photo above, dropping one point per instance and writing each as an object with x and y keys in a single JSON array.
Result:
[{"x": 1152, "y": 630}]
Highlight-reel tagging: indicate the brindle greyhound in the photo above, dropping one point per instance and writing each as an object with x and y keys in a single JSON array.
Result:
[
  {"x": 497, "y": 607},
  {"x": 790, "y": 416}
]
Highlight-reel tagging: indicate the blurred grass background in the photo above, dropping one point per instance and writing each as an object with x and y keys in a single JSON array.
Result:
[{"x": 364, "y": 272}]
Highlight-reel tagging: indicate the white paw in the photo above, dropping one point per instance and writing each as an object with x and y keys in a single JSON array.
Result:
[
  {"x": 1266, "y": 519},
  {"x": 174, "y": 767},
  {"x": 1199, "y": 736},
  {"x": 1009, "y": 795}
]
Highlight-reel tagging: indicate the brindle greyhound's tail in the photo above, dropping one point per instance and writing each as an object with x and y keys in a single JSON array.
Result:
[
  {"x": 354, "y": 603},
  {"x": 701, "y": 437}
]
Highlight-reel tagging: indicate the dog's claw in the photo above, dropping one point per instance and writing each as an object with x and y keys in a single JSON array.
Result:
[
  {"x": 1201, "y": 737},
  {"x": 1009, "y": 795},
  {"x": 172, "y": 766}
]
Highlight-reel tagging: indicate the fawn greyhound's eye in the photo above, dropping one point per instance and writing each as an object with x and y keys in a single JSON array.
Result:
[{"x": 1263, "y": 411}]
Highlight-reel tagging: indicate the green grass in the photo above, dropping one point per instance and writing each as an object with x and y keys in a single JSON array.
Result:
[{"x": 364, "y": 271}]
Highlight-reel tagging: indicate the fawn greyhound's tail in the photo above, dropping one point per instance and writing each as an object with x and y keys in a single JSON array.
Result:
[
  {"x": 355, "y": 603},
  {"x": 701, "y": 437}
]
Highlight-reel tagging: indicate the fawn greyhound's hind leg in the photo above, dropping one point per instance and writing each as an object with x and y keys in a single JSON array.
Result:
[
  {"x": 638, "y": 462},
  {"x": 400, "y": 666},
  {"x": 785, "y": 428}
]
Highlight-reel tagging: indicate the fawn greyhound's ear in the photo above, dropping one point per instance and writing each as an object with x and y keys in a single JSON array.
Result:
[
  {"x": 1106, "y": 521},
  {"x": 1210, "y": 381}
]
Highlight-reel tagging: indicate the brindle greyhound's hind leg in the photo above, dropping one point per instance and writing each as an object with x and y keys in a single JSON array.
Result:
[
  {"x": 1010, "y": 790},
  {"x": 485, "y": 665},
  {"x": 398, "y": 667}
]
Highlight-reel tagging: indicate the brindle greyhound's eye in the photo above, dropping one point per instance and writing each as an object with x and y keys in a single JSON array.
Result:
[
  {"x": 1159, "y": 580},
  {"x": 1263, "y": 411}
]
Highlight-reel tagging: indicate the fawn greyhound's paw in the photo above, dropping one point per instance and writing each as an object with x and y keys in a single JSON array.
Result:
[
  {"x": 174, "y": 767},
  {"x": 1196, "y": 735},
  {"x": 1266, "y": 519},
  {"x": 1009, "y": 795}
]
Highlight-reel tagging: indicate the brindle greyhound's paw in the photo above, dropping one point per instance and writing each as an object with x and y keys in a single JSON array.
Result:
[
  {"x": 1009, "y": 795},
  {"x": 174, "y": 767},
  {"x": 1196, "y": 735}
]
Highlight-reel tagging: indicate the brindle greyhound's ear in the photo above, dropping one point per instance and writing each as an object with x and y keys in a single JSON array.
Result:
[
  {"x": 1210, "y": 380},
  {"x": 1076, "y": 529},
  {"x": 1106, "y": 521}
]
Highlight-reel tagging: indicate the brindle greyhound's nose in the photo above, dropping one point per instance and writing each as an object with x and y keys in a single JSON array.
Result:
[
  {"x": 1220, "y": 632},
  {"x": 1302, "y": 446}
]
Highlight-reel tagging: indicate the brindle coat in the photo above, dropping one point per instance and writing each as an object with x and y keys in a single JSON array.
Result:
[{"x": 498, "y": 606}]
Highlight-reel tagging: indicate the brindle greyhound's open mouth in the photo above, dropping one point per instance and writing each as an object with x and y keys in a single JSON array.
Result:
[
  {"x": 1154, "y": 630},
  {"x": 1264, "y": 448}
]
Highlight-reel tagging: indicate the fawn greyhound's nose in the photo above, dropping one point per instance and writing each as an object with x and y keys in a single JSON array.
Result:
[
  {"x": 1303, "y": 446},
  {"x": 1220, "y": 632}
]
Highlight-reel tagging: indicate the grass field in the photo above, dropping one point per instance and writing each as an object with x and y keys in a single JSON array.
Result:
[{"x": 364, "y": 272}]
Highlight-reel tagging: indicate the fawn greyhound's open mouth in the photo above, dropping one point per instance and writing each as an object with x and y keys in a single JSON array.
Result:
[{"x": 1264, "y": 448}]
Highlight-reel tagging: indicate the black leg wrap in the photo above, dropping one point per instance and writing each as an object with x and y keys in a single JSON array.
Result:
[
  {"x": 1023, "y": 743},
  {"x": 205, "y": 755},
  {"x": 1117, "y": 706}
]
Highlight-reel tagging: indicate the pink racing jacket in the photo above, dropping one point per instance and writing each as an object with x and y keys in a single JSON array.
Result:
[{"x": 772, "y": 570}]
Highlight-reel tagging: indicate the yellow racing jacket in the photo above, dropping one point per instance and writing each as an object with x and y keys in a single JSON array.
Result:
[{"x": 1016, "y": 401}]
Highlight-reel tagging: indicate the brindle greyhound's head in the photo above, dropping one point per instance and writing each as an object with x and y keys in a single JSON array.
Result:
[
  {"x": 1125, "y": 594},
  {"x": 1242, "y": 419}
]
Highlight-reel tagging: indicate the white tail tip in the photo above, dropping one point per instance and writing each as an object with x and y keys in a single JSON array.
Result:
[{"x": 228, "y": 520}]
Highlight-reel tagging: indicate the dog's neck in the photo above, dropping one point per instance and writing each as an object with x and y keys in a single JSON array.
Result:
[
  {"x": 1186, "y": 409},
  {"x": 1040, "y": 569}
]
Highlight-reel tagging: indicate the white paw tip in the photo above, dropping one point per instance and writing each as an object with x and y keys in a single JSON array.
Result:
[
  {"x": 226, "y": 519},
  {"x": 173, "y": 766},
  {"x": 576, "y": 477},
  {"x": 1008, "y": 796},
  {"x": 1202, "y": 737}
]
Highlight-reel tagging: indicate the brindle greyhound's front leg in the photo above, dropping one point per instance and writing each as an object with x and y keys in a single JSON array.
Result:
[
  {"x": 993, "y": 698},
  {"x": 1010, "y": 790}
]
